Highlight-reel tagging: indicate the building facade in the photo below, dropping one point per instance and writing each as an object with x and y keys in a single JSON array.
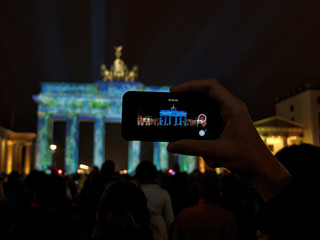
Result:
[
  {"x": 99, "y": 102},
  {"x": 278, "y": 132},
  {"x": 297, "y": 119},
  {"x": 303, "y": 106},
  {"x": 16, "y": 151}
]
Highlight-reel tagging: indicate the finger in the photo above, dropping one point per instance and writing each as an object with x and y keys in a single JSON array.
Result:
[
  {"x": 210, "y": 86},
  {"x": 211, "y": 163},
  {"x": 205, "y": 148}
]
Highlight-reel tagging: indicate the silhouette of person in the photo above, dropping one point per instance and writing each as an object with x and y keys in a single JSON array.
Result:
[
  {"x": 123, "y": 213},
  {"x": 206, "y": 220},
  {"x": 295, "y": 210},
  {"x": 90, "y": 195},
  {"x": 158, "y": 200},
  {"x": 108, "y": 171},
  {"x": 52, "y": 213},
  {"x": 6, "y": 218},
  {"x": 308, "y": 168},
  {"x": 15, "y": 192},
  {"x": 177, "y": 186}
]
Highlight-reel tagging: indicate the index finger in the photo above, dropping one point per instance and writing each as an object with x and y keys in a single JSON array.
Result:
[{"x": 210, "y": 86}]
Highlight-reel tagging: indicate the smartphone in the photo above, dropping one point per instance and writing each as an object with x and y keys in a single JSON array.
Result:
[{"x": 166, "y": 117}]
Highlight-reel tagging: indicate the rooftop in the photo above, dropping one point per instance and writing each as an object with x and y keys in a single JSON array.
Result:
[{"x": 299, "y": 89}]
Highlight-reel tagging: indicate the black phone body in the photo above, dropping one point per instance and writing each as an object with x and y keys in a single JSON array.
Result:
[{"x": 161, "y": 116}]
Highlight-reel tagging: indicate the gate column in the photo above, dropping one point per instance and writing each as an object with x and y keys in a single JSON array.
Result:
[
  {"x": 44, "y": 137},
  {"x": 99, "y": 142},
  {"x": 160, "y": 156},
  {"x": 72, "y": 144},
  {"x": 133, "y": 155}
]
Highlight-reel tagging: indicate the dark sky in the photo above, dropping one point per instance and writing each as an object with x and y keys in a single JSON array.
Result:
[{"x": 257, "y": 49}]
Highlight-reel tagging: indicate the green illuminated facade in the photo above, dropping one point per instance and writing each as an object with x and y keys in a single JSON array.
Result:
[{"x": 75, "y": 102}]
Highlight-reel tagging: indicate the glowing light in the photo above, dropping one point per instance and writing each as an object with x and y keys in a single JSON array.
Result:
[
  {"x": 53, "y": 147},
  {"x": 294, "y": 140},
  {"x": 275, "y": 143},
  {"x": 84, "y": 167},
  {"x": 171, "y": 172},
  {"x": 123, "y": 172},
  {"x": 202, "y": 118},
  {"x": 59, "y": 171}
]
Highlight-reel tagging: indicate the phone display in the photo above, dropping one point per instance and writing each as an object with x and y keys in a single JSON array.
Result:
[{"x": 158, "y": 116}]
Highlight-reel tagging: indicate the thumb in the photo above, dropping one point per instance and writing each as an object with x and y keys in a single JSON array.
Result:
[{"x": 204, "y": 148}]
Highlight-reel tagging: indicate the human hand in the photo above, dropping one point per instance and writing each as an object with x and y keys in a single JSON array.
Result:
[{"x": 240, "y": 147}]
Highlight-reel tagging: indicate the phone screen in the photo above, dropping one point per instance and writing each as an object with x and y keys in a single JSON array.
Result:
[{"x": 154, "y": 116}]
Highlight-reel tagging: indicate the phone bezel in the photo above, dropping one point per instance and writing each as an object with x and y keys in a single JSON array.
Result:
[{"x": 133, "y": 99}]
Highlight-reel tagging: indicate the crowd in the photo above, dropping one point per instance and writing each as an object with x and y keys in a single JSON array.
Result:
[
  {"x": 148, "y": 205},
  {"x": 98, "y": 205}
]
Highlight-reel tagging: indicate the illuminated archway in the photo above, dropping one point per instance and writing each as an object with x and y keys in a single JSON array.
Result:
[{"x": 75, "y": 102}]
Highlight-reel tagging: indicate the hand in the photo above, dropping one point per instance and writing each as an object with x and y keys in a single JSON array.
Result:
[{"x": 240, "y": 147}]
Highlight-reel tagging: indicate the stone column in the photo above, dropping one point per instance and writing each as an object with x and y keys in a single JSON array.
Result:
[
  {"x": 18, "y": 161},
  {"x": 27, "y": 158},
  {"x": 133, "y": 155},
  {"x": 99, "y": 142},
  {"x": 285, "y": 141},
  {"x": 187, "y": 163},
  {"x": 72, "y": 144},
  {"x": 9, "y": 157},
  {"x": 44, "y": 136},
  {"x": 161, "y": 156},
  {"x": 202, "y": 164},
  {"x": 3, "y": 154},
  {"x": 1, "y": 159}
]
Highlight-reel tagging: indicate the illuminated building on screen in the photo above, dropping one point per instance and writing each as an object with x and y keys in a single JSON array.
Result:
[{"x": 173, "y": 117}]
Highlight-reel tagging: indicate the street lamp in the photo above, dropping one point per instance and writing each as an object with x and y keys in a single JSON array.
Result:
[{"x": 53, "y": 148}]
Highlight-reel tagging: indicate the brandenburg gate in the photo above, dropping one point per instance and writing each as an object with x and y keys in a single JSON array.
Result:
[
  {"x": 98, "y": 102},
  {"x": 74, "y": 102}
]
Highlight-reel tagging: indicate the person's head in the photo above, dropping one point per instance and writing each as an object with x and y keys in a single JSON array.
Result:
[
  {"x": 33, "y": 179},
  {"x": 210, "y": 187},
  {"x": 146, "y": 171},
  {"x": 108, "y": 168},
  {"x": 50, "y": 191},
  {"x": 301, "y": 160},
  {"x": 14, "y": 177},
  {"x": 123, "y": 212}
]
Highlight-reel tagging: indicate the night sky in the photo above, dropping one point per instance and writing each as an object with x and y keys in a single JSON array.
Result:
[{"x": 259, "y": 50}]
